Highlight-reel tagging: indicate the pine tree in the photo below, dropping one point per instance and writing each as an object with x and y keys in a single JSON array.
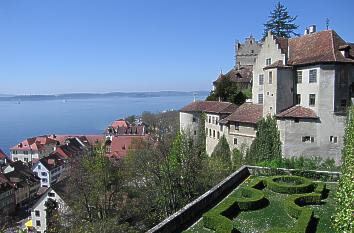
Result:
[
  {"x": 280, "y": 23},
  {"x": 344, "y": 218}
]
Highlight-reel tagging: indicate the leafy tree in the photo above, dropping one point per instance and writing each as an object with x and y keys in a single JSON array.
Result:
[
  {"x": 52, "y": 216},
  {"x": 280, "y": 23},
  {"x": 227, "y": 90},
  {"x": 131, "y": 119},
  {"x": 266, "y": 146},
  {"x": 344, "y": 218},
  {"x": 222, "y": 150}
]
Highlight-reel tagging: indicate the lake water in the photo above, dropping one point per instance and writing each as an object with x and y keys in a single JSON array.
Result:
[{"x": 19, "y": 121}]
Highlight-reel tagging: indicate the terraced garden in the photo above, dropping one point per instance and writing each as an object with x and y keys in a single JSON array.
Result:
[{"x": 275, "y": 204}]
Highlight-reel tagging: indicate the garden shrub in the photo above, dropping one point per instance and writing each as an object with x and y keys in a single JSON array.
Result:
[
  {"x": 217, "y": 218},
  {"x": 320, "y": 188},
  {"x": 283, "y": 184},
  {"x": 250, "y": 199}
]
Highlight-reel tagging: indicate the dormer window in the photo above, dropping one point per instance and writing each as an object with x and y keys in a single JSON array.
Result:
[
  {"x": 268, "y": 61},
  {"x": 344, "y": 49}
]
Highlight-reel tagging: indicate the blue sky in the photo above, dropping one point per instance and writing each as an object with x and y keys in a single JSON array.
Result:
[{"x": 51, "y": 46}]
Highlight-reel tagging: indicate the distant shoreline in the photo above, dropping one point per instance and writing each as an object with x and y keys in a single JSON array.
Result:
[{"x": 102, "y": 95}]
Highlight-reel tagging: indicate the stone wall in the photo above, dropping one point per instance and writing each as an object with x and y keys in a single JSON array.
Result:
[
  {"x": 193, "y": 211},
  {"x": 189, "y": 214}
]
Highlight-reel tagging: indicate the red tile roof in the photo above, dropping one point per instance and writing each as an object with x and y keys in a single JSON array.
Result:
[
  {"x": 210, "y": 107},
  {"x": 2, "y": 155},
  {"x": 283, "y": 44},
  {"x": 119, "y": 123},
  {"x": 52, "y": 161},
  {"x": 318, "y": 47},
  {"x": 34, "y": 144},
  {"x": 120, "y": 144},
  {"x": 246, "y": 113},
  {"x": 297, "y": 112}
]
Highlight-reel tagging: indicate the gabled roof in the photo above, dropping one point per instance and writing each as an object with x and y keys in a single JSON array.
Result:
[
  {"x": 318, "y": 47},
  {"x": 283, "y": 44},
  {"x": 34, "y": 144},
  {"x": 246, "y": 113},
  {"x": 60, "y": 188},
  {"x": 297, "y": 112},
  {"x": 120, "y": 144},
  {"x": 52, "y": 161},
  {"x": 119, "y": 123},
  {"x": 210, "y": 107},
  {"x": 240, "y": 75}
]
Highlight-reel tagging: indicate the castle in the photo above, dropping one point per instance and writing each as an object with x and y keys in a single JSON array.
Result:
[{"x": 305, "y": 82}]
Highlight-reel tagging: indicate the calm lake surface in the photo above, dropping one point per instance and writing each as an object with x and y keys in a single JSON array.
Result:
[{"x": 19, "y": 121}]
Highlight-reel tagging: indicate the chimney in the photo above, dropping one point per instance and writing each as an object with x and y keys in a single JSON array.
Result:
[
  {"x": 312, "y": 28},
  {"x": 51, "y": 161},
  {"x": 309, "y": 30}
]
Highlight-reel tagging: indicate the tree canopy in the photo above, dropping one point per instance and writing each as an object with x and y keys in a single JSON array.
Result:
[{"x": 280, "y": 23}]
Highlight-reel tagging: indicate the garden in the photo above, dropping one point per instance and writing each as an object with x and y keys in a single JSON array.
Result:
[{"x": 273, "y": 204}]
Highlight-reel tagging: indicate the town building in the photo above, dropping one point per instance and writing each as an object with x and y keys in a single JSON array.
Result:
[
  {"x": 57, "y": 193},
  {"x": 7, "y": 196},
  {"x": 306, "y": 82},
  {"x": 3, "y": 158},
  {"x": 33, "y": 149},
  {"x": 49, "y": 169},
  {"x": 24, "y": 181},
  {"x": 245, "y": 57},
  {"x": 122, "y": 127}
]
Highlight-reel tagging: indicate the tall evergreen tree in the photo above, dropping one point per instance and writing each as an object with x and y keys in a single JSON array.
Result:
[
  {"x": 222, "y": 151},
  {"x": 280, "y": 23},
  {"x": 344, "y": 218},
  {"x": 266, "y": 146}
]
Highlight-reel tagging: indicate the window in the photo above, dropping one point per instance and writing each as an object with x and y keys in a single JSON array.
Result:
[
  {"x": 194, "y": 119},
  {"x": 308, "y": 139},
  {"x": 26, "y": 160},
  {"x": 343, "y": 103},
  {"x": 15, "y": 159},
  {"x": 37, "y": 213},
  {"x": 296, "y": 120},
  {"x": 209, "y": 119},
  {"x": 260, "y": 98},
  {"x": 312, "y": 99},
  {"x": 195, "y": 132},
  {"x": 299, "y": 77},
  {"x": 267, "y": 92},
  {"x": 44, "y": 174},
  {"x": 210, "y": 132},
  {"x": 298, "y": 99},
  {"x": 333, "y": 139},
  {"x": 51, "y": 194},
  {"x": 216, "y": 120},
  {"x": 237, "y": 126},
  {"x": 38, "y": 223},
  {"x": 39, "y": 167},
  {"x": 213, "y": 120},
  {"x": 25, "y": 152},
  {"x": 44, "y": 180},
  {"x": 213, "y": 133},
  {"x": 261, "y": 79},
  {"x": 313, "y": 76},
  {"x": 268, "y": 61},
  {"x": 270, "y": 77},
  {"x": 235, "y": 141},
  {"x": 218, "y": 134}
]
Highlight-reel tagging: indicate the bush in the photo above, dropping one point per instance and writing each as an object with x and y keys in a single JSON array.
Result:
[
  {"x": 282, "y": 184},
  {"x": 216, "y": 219},
  {"x": 320, "y": 188},
  {"x": 250, "y": 199}
]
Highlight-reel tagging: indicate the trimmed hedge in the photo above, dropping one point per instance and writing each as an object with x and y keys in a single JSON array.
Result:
[
  {"x": 216, "y": 219},
  {"x": 320, "y": 188},
  {"x": 281, "y": 184},
  {"x": 250, "y": 199}
]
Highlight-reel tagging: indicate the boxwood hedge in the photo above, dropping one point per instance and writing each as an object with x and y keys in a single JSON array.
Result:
[{"x": 289, "y": 184}]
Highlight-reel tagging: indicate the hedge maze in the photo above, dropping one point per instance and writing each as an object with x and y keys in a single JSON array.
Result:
[{"x": 299, "y": 192}]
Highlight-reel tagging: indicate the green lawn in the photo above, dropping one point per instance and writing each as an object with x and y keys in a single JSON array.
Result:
[{"x": 274, "y": 215}]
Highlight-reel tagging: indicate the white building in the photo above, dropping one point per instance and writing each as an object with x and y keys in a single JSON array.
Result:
[
  {"x": 57, "y": 193},
  {"x": 49, "y": 169},
  {"x": 307, "y": 82},
  {"x": 33, "y": 149}
]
